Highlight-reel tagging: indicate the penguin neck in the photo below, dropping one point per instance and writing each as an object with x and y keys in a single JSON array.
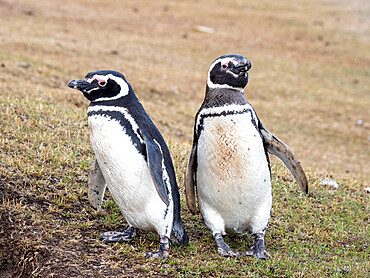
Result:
[
  {"x": 216, "y": 97},
  {"x": 122, "y": 101},
  {"x": 129, "y": 102}
]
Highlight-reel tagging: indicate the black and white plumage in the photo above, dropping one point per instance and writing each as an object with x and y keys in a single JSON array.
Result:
[
  {"x": 228, "y": 169},
  {"x": 132, "y": 159}
]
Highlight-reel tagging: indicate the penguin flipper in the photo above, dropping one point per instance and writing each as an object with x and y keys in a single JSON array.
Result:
[
  {"x": 279, "y": 149},
  {"x": 190, "y": 190},
  {"x": 155, "y": 163},
  {"x": 96, "y": 186}
]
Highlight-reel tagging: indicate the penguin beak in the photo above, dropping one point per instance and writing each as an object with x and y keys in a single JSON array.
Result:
[
  {"x": 248, "y": 65},
  {"x": 82, "y": 85},
  {"x": 242, "y": 67}
]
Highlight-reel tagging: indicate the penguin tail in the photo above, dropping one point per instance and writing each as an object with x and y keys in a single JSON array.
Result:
[{"x": 179, "y": 235}]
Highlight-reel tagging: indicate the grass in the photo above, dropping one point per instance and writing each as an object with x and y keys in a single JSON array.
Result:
[
  {"x": 309, "y": 84},
  {"x": 323, "y": 233}
]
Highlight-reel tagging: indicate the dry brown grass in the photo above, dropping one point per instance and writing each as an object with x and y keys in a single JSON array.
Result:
[
  {"x": 309, "y": 81},
  {"x": 309, "y": 85}
]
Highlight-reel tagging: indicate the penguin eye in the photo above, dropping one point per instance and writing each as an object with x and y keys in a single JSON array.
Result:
[
  {"x": 224, "y": 66},
  {"x": 102, "y": 83}
]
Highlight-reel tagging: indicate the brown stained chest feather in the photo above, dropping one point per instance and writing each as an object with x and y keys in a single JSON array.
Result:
[{"x": 229, "y": 156}]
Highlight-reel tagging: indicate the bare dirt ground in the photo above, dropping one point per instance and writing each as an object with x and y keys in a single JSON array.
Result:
[{"x": 309, "y": 85}]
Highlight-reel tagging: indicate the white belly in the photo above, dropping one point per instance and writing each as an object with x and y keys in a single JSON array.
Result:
[
  {"x": 128, "y": 178},
  {"x": 233, "y": 178}
]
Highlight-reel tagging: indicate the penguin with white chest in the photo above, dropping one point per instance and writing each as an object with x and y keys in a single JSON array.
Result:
[
  {"x": 132, "y": 159},
  {"x": 228, "y": 171}
]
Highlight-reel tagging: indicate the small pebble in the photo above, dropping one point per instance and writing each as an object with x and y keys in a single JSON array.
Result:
[
  {"x": 203, "y": 29},
  {"x": 359, "y": 122},
  {"x": 329, "y": 182},
  {"x": 24, "y": 65}
]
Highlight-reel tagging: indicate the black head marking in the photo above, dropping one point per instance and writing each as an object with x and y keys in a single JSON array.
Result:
[
  {"x": 229, "y": 71},
  {"x": 102, "y": 85}
]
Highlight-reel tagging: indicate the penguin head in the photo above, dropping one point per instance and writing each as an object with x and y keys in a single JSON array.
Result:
[
  {"x": 229, "y": 71},
  {"x": 102, "y": 85}
]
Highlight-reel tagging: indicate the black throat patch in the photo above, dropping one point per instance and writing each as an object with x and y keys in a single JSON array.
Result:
[{"x": 221, "y": 97}]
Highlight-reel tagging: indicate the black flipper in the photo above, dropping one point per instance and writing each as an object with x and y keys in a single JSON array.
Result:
[
  {"x": 279, "y": 149},
  {"x": 155, "y": 162},
  {"x": 158, "y": 159},
  {"x": 190, "y": 181}
]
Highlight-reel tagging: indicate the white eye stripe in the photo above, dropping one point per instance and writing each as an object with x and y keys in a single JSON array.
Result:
[
  {"x": 123, "y": 85},
  {"x": 99, "y": 78},
  {"x": 224, "y": 61},
  {"x": 101, "y": 81},
  {"x": 212, "y": 85}
]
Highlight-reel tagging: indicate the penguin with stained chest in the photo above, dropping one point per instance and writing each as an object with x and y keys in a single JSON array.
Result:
[
  {"x": 228, "y": 170},
  {"x": 132, "y": 159}
]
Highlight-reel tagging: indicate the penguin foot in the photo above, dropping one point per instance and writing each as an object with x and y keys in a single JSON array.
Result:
[
  {"x": 113, "y": 236},
  {"x": 259, "y": 255},
  {"x": 258, "y": 248},
  {"x": 223, "y": 249},
  {"x": 162, "y": 252}
]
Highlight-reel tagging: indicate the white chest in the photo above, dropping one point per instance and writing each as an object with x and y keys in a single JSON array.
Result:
[
  {"x": 117, "y": 156},
  {"x": 232, "y": 149},
  {"x": 233, "y": 176},
  {"x": 127, "y": 175}
]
